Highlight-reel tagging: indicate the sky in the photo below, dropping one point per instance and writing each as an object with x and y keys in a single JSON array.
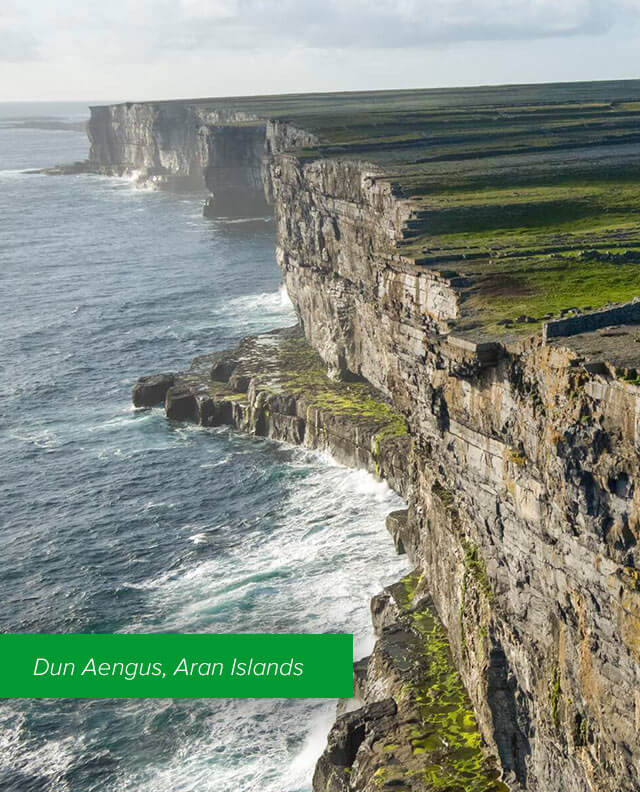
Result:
[{"x": 118, "y": 50}]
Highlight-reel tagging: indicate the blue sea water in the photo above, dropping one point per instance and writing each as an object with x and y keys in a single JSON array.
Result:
[{"x": 116, "y": 520}]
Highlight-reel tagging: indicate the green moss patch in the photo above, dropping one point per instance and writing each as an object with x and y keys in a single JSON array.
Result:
[
  {"x": 446, "y": 738},
  {"x": 302, "y": 373}
]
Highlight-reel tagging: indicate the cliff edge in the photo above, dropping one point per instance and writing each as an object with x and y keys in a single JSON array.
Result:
[{"x": 473, "y": 256}]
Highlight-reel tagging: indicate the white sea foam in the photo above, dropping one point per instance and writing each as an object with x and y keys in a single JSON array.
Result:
[
  {"x": 132, "y": 180},
  {"x": 359, "y": 481},
  {"x": 128, "y": 418},
  {"x": 312, "y": 565},
  {"x": 285, "y": 300},
  {"x": 44, "y": 438},
  {"x": 47, "y": 760},
  {"x": 242, "y": 220},
  {"x": 365, "y": 484},
  {"x": 300, "y": 769},
  {"x": 325, "y": 553},
  {"x": 159, "y": 505},
  {"x": 269, "y": 302},
  {"x": 219, "y": 463},
  {"x": 138, "y": 180},
  {"x": 15, "y": 173}
]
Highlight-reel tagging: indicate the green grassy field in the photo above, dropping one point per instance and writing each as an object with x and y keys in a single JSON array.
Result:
[{"x": 531, "y": 192}]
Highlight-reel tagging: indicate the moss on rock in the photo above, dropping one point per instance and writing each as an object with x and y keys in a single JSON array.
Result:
[{"x": 446, "y": 736}]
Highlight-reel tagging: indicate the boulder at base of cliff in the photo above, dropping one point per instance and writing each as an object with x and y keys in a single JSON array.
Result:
[
  {"x": 397, "y": 526},
  {"x": 150, "y": 391},
  {"x": 181, "y": 404}
]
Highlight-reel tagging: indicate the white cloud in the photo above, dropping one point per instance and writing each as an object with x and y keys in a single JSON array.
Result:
[
  {"x": 388, "y": 23},
  {"x": 140, "y": 30}
]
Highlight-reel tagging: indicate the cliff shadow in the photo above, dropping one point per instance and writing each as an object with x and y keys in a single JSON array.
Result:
[{"x": 513, "y": 746}]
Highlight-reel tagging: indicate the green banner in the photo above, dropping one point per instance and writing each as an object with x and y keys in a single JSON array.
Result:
[{"x": 176, "y": 666}]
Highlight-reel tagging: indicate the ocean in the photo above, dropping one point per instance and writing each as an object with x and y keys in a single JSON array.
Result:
[{"x": 117, "y": 520}]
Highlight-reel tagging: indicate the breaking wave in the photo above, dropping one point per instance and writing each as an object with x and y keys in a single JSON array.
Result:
[{"x": 117, "y": 520}]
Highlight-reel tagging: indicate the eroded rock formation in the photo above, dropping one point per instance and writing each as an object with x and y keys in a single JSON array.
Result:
[
  {"x": 183, "y": 146},
  {"x": 411, "y": 721},
  {"x": 523, "y": 504},
  {"x": 520, "y": 468}
]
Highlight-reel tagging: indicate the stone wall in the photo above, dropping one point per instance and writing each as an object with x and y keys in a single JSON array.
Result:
[{"x": 629, "y": 313}]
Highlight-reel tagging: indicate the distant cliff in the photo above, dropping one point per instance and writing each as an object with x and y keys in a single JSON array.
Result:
[
  {"x": 522, "y": 474},
  {"x": 182, "y": 147}
]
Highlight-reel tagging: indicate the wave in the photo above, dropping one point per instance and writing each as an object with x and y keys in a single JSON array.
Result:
[
  {"x": 199, "y": 538},
  {"x": 159, "y": 505},
  {"x": 133, "y": 181},
  {"x": 270, "y": 302},
  {"x": 49, "y": 759},
  {"x": 131, "y": 418},
  {"x": 44, "y": 438},
  {"x": 300, "y": 768},
  {"x": 220, "y": 463},
  {"x": 360, "y": 482},
  {"x": 241, "y": 220},
  {"x": 233, "y": 534},
  {"x": 15, "y": 173}
]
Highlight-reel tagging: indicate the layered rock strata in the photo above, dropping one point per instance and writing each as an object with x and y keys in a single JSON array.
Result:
[
  {"x": 183, "y": 146},
  {"x": 524, "y": 509},
  {"x": 275, "y": 385},
  {"x": 521, "y": 475},
  {"x": 411, "y": 725}
]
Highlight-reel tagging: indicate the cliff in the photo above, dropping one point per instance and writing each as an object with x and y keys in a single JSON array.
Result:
[
  {"x": 426, "y": 239},
  {"x": 183, "y": 147},
  {"x": 414, "y": 720}
]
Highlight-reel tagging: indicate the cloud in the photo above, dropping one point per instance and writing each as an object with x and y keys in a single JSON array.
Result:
[
  {"x": 18, "y": 45},
  {"x": 143, "y": 30},
  {"x": 385, "y": 24}
]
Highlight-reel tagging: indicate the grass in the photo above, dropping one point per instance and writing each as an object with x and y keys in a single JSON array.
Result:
[
  {"x": 299, "y": 370},
  {"x": 508, "y": 192},
  {"x": 534, "y": 250},
  {"x": 508, "y": 184},
  {"x": 474, "y": 566},
  {"x": 550, "y": 286}
]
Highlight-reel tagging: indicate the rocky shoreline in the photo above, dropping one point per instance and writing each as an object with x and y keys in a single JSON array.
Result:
[
  {"x": 410, "y": 725},
  {"x": 274, "y": 385},
  {"x": 463, "y": 282}
]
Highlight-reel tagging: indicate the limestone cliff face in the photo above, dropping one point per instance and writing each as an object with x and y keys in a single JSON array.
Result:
[
  {"x": 337, "y": 223},
  {"x": 524, "y": 505},
  {"x": 186, "y": 147},
  {"x": 522, "y": 479}
]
